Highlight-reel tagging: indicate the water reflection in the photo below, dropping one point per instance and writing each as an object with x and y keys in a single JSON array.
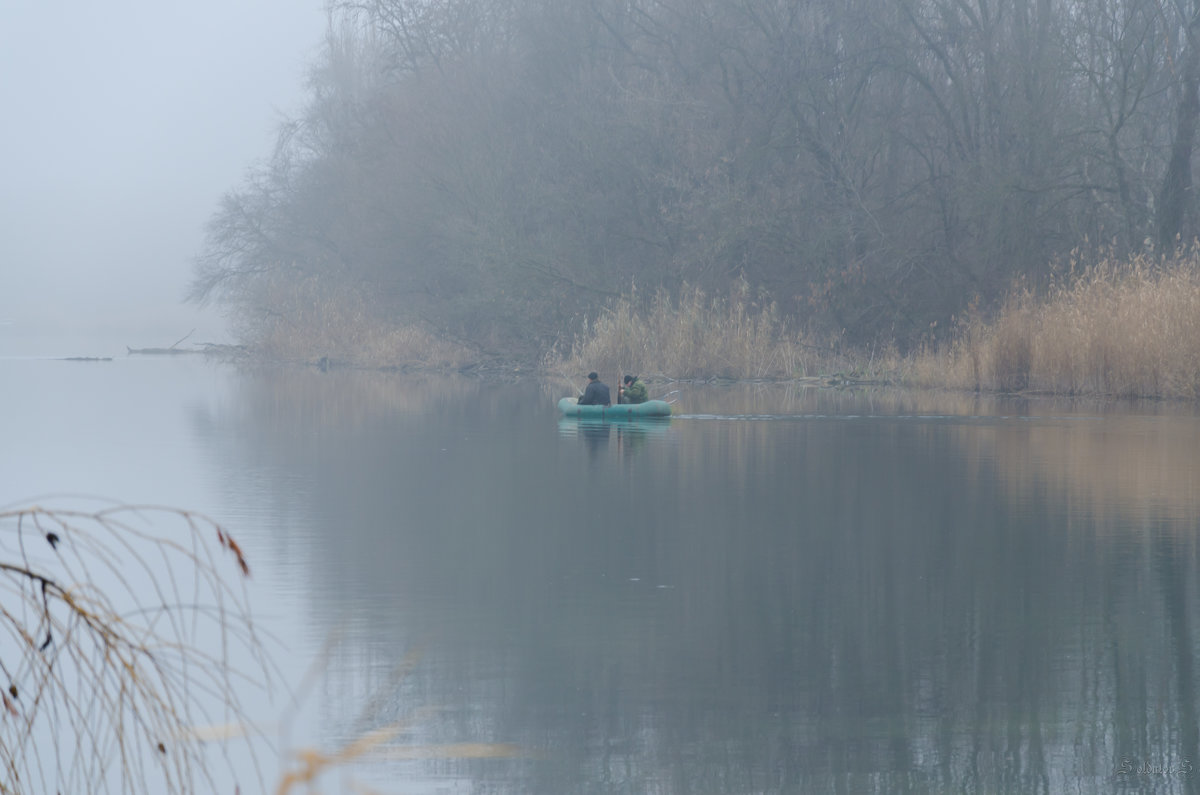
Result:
[
  {"x": 628, "y": 436},
  {"x": 953, "y": 595},
  {"x": 594, "y": 435}
]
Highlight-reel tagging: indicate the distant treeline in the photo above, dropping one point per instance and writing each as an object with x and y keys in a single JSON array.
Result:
[{"x": 495, "y": 171}]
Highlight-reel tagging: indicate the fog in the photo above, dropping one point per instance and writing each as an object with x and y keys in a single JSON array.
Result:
[{"x": 125, "y": 122}]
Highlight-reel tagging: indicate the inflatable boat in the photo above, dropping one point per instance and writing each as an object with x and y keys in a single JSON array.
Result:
[{"x": 569, "y": 407}]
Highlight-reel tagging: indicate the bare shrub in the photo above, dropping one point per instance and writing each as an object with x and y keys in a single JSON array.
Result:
[{"x": 115, "y": 642}]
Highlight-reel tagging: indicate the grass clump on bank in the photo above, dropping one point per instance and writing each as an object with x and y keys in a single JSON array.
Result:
[
  {"x": 315, "y": 321},
  {"x": 1115, "y": 328},
  {"x": 694, "y": 336}
]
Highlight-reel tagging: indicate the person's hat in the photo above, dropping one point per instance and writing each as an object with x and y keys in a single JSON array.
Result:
[
  {"x": 629, "y": 379},
  {"x": 592, "y": 376}
]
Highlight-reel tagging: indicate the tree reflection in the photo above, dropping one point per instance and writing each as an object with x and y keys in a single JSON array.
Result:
[{"x": 847, "y": 600}]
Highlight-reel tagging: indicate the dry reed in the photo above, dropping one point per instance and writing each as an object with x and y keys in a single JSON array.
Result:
[
  {"x": 372, "y": 740},
  {"x": 100, "y": 647},
  {"x": 1114, "y": 328},
  {"x": 694, "y": 336},
  {"x": 117, "y": 647},
  {"x": 313, "y": 319}
]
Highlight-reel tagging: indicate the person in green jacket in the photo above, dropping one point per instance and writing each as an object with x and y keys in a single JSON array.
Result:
[{"x": 631, "y": 390}]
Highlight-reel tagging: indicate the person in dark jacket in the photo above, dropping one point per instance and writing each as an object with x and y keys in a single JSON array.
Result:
[
  {"x": 596, "y": 394},
  {"x": 631, "y": 391}
]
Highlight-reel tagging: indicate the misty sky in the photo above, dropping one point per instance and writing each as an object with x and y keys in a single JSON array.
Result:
[{"x": 124, "y": 122}]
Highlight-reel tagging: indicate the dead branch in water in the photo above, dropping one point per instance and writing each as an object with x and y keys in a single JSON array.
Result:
[{"x": 174, "y": 349}]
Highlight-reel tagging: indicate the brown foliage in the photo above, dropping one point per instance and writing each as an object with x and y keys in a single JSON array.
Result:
[
  {"x": 1125, "y": 328},
  {"x": 314, "y": 319},
  {"x": 696, "y": 336}
]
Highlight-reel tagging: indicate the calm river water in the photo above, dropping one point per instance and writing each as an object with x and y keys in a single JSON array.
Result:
[{"x": 779, "y": 590}]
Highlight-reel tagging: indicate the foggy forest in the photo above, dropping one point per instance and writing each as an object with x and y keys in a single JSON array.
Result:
[
  {"x": 495, "y": 172},
  {"x": 755, "y": 565}
]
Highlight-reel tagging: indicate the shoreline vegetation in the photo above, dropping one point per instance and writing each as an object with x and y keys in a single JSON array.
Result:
[
  {"x": 1108, "y": 328},
  {"x": 835, "y": 192}
]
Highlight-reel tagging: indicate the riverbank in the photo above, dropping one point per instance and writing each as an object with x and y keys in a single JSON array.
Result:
[
  {"x": 1106, "y": 328},
  {"x": 1102, "y": 328}
]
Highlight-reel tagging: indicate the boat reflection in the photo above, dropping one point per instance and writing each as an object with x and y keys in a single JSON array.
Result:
[{"x": 630, "y": 435}]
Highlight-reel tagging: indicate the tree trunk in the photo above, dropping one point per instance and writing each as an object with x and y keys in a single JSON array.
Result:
[{"x": 1176, "y": 193}]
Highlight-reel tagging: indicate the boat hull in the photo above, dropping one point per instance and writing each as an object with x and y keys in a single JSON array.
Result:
[{"x": 569, "y": 407}]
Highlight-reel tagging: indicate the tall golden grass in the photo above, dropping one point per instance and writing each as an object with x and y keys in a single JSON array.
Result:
[
  {"x": 693, "y": 336},
  {"x": 314, "y": 319},
  {"x": 1114, "y": 328}
]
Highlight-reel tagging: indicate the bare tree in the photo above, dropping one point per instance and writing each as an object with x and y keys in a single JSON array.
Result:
[
  {"x": 1175, "y": 197},
  {"x": 496, "y": 170}
]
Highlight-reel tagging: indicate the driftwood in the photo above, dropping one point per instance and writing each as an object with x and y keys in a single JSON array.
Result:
[
  {"x": 164, "y": 351},
  {"x": 161, "y": 351}
]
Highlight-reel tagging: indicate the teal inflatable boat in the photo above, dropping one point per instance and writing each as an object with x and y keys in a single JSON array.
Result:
[{"x": 569, "y": 407}]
